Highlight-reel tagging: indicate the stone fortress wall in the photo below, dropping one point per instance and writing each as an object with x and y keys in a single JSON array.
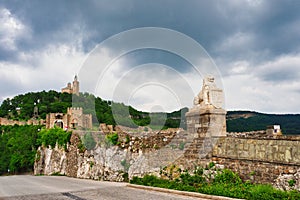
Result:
[
  {"x": 274, "y": 160},
  {"x": 260, "y": 159},
  {"x": 9, "y": 122},
  {"x": 256, "y": 156}
]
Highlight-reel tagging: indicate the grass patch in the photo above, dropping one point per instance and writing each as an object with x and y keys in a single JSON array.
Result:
[
  {"x": 225, "y": 183},
  {"x": 57, "y": 174}
]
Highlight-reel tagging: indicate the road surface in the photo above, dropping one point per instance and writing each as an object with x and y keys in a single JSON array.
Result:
[{"x": 60, "y": 187}]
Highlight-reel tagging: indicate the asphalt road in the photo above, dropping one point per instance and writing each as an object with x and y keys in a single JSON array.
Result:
[{"x": 60, "y": 187}]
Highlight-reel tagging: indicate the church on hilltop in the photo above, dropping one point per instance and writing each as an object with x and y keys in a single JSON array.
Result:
[{"x": 72, "y": 88}]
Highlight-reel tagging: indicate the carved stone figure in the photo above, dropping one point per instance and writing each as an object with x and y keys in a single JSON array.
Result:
[
  {"x": 207, "y": 118},
  {"x": 210, "y": 95}
]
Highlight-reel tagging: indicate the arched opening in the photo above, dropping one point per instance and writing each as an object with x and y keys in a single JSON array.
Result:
[
  {"x": 59, "y": 123},
  {"x": 58, "y": 116},
  {"x": 74, "y": 123}
]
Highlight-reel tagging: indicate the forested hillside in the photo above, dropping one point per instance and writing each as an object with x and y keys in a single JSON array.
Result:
[
  {"x": 102, "y": 111},
  {"x": 47, "y": 102},
  {"x": 243, "y": 121},
  {"x": 109, "y": 112}
]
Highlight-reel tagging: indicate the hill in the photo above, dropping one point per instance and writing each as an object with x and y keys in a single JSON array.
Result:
[
  {"x": 21, "y": 107},
  {"x": 243, "y": 121}
]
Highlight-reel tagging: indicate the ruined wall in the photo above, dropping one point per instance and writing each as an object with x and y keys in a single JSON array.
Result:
[
  {"x": 256, "y": 156},
  {"x": 274, "y": 160},
  {"x": 10, "y": 122},
  {"x": 133, "y": 156}
]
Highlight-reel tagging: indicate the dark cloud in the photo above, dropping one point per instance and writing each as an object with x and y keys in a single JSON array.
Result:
[
  {"x": 209, "y": 22},
  {"x": 253, "y": 32},
  {"x": 56, "y": 21}
]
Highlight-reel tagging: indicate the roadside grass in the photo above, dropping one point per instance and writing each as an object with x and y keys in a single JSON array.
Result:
[{"x": 224, "y": 183}]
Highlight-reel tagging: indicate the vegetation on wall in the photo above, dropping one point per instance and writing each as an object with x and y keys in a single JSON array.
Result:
[
  {"x": 112, "y": 138},
  {"x": 51, "y": 137}
]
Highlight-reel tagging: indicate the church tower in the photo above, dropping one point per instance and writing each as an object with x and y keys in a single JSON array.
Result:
[{"x": 75, "y": 86}]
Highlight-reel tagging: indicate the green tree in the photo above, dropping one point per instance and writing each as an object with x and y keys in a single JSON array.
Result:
[{"x": 18, "y": 148}]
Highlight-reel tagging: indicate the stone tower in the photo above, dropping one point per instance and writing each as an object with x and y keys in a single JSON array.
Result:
[
  {"x": 72, "y": 88},
  {"x": 75, "y": 86}
]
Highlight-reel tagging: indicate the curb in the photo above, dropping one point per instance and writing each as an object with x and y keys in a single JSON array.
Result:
[{"x": 171, "y": 191}]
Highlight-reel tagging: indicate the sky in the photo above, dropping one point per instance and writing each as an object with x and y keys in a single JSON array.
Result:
[{"x": 254, "y": 45}]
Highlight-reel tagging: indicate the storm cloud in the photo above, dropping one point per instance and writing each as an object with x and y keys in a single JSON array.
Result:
[{"x": 255, "y": 44}]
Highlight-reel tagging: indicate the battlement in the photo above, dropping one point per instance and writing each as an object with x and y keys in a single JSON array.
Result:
[{"x": 74, "y": 108}]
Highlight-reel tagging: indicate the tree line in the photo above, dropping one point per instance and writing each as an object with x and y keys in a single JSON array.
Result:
[{"x": 21, "y": 107}]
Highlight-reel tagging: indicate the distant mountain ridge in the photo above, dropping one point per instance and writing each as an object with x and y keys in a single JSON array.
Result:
[
  {"x": 21, "y": 107},
  {"x": 243, "y": 121}
]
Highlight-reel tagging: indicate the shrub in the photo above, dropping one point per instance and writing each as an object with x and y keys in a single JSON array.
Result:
[
  {"x": 125, "y": 177},
  {"x": 52, "y": 136},
  {"x": 57, "y": 174},
  {"x": 226, "y": 183},
  {"x": 112, "y": 138},
  {"x": 211, "y": 165},
  {"x": 226, "y": 176},
  {"x": 292, "y": 182}
]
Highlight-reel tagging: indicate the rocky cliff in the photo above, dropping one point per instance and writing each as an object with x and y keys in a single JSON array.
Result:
[{"x": 132, "y": 157}]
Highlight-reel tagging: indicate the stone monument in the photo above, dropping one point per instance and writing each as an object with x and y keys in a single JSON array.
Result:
[{"x": 207, "y": 118}]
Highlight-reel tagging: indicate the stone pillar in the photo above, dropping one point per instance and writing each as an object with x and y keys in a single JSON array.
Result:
[
  {"x": 206, "y": 120},
  {"x": 206, "y": 125}
]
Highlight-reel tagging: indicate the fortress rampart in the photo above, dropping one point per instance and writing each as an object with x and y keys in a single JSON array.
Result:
[{"x": 257, "y": 156}]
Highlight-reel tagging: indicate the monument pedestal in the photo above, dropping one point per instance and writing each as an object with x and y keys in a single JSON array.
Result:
[
  {"x": 206, "y": 121},
  {"x": 206, "y": 124}
]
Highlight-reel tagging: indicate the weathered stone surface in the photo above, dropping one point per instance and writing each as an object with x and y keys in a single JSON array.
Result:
[
  {"x": 210, "y": 95},
  {"x": 290, "y": 181},
  {"x": 49, "y": 161},
  {"x": 261, "y": 149}
]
